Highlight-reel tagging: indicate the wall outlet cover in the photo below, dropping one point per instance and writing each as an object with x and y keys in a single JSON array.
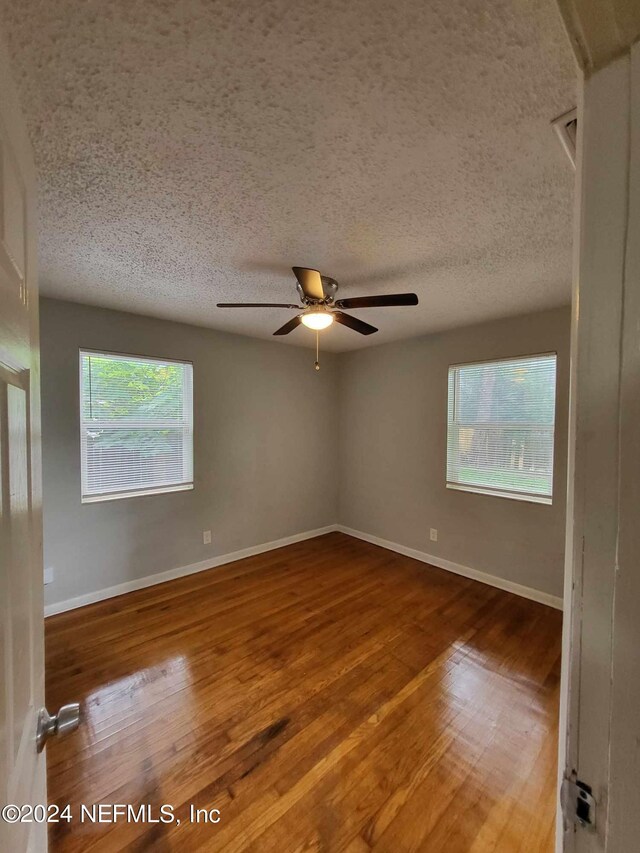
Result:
[
  {"x": 433, "y": 534},
  {"x": 206, "y": 537}
]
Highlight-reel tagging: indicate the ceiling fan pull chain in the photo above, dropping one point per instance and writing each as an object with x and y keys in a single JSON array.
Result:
[{"x": 317, "y": 364}]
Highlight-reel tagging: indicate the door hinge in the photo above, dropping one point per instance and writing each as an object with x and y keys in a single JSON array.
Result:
[{"x": 578, "y": 804}]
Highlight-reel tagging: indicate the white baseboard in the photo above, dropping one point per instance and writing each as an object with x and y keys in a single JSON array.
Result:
[
  {"x": 509, "y": 586},
  {"x": 181, "y": 571}
]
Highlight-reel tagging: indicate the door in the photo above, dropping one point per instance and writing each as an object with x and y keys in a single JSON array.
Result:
[{"x": 22, "y": 769}]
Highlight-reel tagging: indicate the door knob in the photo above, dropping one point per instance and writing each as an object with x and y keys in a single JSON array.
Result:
[{"x": 66, "y": 720}]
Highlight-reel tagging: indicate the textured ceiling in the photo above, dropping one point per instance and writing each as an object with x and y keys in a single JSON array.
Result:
[{"x": 191, "y": 152}]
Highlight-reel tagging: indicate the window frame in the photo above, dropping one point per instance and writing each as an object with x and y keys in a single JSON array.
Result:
[
  {"x": 525, "y": 497},
  {"x": 188, "y": 405}
]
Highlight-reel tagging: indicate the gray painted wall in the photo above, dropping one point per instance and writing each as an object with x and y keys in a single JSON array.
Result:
[
  {"x": 393, "y": 431},
  {"x": 263, "y": 420},
  {"x": 269, "y": 432}
]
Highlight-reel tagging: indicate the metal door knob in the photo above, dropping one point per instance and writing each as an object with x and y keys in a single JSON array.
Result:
[{"x": 66, "y": 720}]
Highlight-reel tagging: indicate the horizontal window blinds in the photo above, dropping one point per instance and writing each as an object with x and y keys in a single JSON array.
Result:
[
  {"x": 501, "y": 419},
  {"x": 136, "y": 425}
]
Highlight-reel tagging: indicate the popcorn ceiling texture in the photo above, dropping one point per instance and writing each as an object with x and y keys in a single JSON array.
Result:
[{"x": 191, "y": 152}]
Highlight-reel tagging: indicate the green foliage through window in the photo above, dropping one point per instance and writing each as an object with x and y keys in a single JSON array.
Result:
[
  {"x": 501, "y": 419},
  {"x": 136, "y": 418}
]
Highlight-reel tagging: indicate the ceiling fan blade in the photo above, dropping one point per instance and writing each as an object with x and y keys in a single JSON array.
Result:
[
  {"x": 257, "y": 305},
  {"x": 353, "y": 323},
  {"x": 381, "y": 301},
  {"x": 289, "y": 326},
  {"x": 310, "y": 281}
]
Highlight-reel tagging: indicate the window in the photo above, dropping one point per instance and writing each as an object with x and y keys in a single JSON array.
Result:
[
  {"x": 501, "y": 425},
  {"x": 136, "y": 426}
]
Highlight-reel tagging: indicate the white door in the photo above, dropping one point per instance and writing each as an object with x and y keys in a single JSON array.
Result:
[{"x": 22, "y": 769}]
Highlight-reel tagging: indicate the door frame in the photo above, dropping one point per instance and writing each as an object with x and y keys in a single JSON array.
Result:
[{"x": 600, "y": 683}]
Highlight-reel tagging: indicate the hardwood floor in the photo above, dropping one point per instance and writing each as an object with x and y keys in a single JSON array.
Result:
[{"x": 328, "y": 696}]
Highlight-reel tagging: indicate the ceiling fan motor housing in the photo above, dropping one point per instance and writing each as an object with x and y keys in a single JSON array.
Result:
[{"x": 330, "y": 286}]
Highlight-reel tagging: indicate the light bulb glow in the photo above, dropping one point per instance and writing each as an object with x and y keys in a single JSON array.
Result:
[{"x": 317, "y": 320}]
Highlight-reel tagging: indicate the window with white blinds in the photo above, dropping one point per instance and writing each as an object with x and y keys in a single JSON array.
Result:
[
  {"x": 136, "y": 425},
  {"x": 501, "y": 427}
]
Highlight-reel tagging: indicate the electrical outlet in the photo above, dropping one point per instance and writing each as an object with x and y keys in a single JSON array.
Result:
[
  {"x": 48, "y": 574},
  {"x": 433, "y": 534},
  {"x": 206, "y": 537}
]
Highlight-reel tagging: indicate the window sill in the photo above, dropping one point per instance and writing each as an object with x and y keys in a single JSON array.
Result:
[
  {"x": 496, "y": 493},
  {"x": 139, "y": 493}
]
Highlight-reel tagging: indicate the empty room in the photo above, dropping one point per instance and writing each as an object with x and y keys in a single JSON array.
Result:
[{"x": 319, "y": 409}]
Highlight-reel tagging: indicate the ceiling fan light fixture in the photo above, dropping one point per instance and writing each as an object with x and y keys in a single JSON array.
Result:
[{"x": 317, "y": 320}]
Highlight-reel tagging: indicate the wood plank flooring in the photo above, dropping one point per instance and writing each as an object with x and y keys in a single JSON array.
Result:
[{"x": 327, "y": 696}]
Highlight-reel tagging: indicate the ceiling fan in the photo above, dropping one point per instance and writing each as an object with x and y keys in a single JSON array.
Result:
[{"x": 320, "y": 308}]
